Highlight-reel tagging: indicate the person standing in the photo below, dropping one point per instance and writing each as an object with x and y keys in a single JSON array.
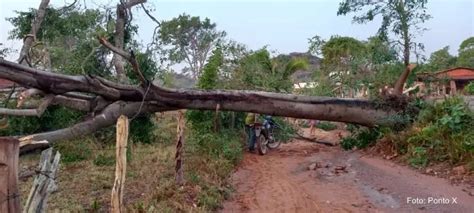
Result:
[{"x": 250, "y": 120}]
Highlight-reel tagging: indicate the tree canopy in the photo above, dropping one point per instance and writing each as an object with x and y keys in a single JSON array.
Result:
[
  {"x": 466, "y": 53},
  {"x": 402, "y": 17},
  {"x": 188, "y": 39}
]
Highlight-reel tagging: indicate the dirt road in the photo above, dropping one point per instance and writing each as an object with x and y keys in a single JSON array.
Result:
[{"x": 308, "y": 177}]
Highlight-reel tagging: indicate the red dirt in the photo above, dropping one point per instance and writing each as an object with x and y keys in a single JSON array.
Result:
[{"x": 308, "y": 177}]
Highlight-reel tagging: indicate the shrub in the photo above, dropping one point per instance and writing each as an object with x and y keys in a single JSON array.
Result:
[
  {"x": 327, "y": 126},
  {"x": 469, "y": 89},
  {"x": 141, "y": 129},
  {"x": 361, "y": 137},
  {"x": 442, "y": 132},
  {"x": 55, "y": 117},
  {"x": 74, "y": 150}
]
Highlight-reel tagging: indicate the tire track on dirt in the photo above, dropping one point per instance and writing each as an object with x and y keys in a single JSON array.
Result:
[{"x": 266, "y": 184}]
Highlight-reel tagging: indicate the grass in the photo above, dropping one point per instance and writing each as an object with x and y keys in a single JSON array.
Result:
[{"x": 87, "y": 173}]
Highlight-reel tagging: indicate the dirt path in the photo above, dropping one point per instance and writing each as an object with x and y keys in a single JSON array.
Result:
[{"x": 307, "y": 177}]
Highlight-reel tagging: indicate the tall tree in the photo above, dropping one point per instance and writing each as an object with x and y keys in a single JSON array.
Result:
[
  {"x": 188, "y": 39},
  {"x": 259, "y": 71},
  {"x": 402, "y": 17},
  {"x": 65, "y": 41},
  {"x": 344, "y": 60},
  {"x": 440, "y": 60},
  {"x": 466, "y": 53}
]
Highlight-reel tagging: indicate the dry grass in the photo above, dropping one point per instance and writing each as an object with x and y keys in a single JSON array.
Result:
[{"x": 86, "y": 178}]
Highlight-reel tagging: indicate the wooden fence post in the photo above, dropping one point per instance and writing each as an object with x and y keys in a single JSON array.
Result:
[
  {"x": 179, "y": 149},
  {"x": 44, "y": 183},
  {"x": 9, "y": 197},
  {"x": 120, "y": 165}
]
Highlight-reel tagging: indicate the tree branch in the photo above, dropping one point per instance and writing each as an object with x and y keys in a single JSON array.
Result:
[
  {"x": 35, "y": 26},
  {"x": 130, "y": 58},
  {"x": 106, "y": 118},
  {"x": 357, "y": 111},
  {"x": 29, "y": 112}
]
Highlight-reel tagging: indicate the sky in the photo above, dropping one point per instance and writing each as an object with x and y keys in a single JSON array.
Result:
[{"x": 283, "y": 25}]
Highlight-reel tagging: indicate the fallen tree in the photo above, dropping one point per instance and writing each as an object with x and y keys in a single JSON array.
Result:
[
  {"x": 111, "y": 99},
  {"x": 106, "y": 100}
]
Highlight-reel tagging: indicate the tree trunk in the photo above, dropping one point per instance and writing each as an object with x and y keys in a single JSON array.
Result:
[
  {"x": 126, "y": 99},
  {"x": 406, "y": 51},
  {"x": 35, "y": 26}
]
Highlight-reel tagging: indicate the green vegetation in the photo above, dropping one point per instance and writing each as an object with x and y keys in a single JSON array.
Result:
[
  {"x": 469, "y": 89},
  {"x": 361, "y": 137},
  {"x": 327, "y": 126},
  {"x": 466, "y": 53},
  {"x": 441, "y": 133}
]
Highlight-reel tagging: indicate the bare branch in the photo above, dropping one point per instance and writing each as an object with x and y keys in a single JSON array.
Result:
[
  {"x": 115, "y": 49},
  {"x": 35, "y": 25},
  {"x": 29, "y": 112},
  {"x": 26, "y": 94},
  {"x": 150, "y": 16},
  {"x": 131, "y": 3},
  {"x": 130, "y": 58}
]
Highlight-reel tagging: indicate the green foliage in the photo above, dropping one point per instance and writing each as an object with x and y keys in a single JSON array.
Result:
[
  {"x": 441, "y": 133},
  {"x": 55, "y": 117},
  {"x": 185, "y": 34},
  {"x": 469, "y": 89},
  {"x": 147, "y": 65},
  {"x": 361, "y": 137},
  {"x": 349, "y": 64},
  {"x": 74, "y": 151},
  {"x": 69, "y": 36},
  {"x": 327, "y": 126},
  {"x": 225, "y": 144},
  {"x": 441, "y": 60},
  {"x": 258, "y": 71},
  {"x": 419, "y": 157},
  {"x": 141, "y": 129},
  {"x": 402, "y": 18},
  {"x": 208, "y": 80},
  {"x": 466, "y": 53}
]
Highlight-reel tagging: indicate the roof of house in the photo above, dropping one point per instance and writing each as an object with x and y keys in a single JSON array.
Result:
[{"x": 457, "y": 73}]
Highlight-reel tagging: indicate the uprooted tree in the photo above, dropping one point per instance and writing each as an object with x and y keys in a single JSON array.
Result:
[{"x": 105, "y": 100}]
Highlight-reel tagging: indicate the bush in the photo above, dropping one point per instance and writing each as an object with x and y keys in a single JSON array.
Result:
[
  {"x": 469, "y": 89},
  {"x": 74, "y": 150},
  {"x": 327, "y": 126},
  {"x": 225, "y": 145},
  {"x": 441, "y": 133},
  {"x": 362, "y": 137},
  {"x": 55, "y": 117},
  {"x": 141, "y": 129}
]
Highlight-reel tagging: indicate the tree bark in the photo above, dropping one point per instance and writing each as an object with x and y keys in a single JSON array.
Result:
[
  {"x": 357, "y": 111},
  {"x": 35, "y": 26},
  {"x": 9, "y": 195},
  {"x": 406, "y": 51}
]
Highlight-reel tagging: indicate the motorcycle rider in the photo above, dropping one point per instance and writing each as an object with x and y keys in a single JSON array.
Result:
[{"x": 250, "y": 121}]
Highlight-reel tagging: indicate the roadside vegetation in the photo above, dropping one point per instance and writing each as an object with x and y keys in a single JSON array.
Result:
[{"x": 338, "y": 66}]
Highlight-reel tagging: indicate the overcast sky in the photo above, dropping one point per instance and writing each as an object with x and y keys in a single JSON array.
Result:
[{"x": 284, "y": 25}]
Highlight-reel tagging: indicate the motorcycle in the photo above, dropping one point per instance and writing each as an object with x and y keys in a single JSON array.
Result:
[{"x": 265, "y": 135}]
